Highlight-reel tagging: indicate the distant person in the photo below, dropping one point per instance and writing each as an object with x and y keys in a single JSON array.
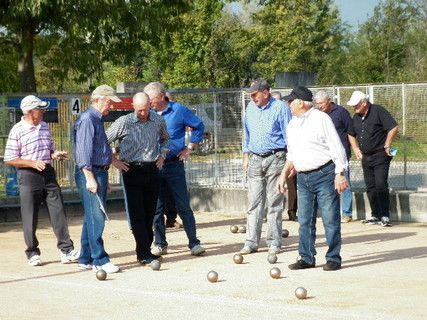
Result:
[
  {"x": 93, "y": 157},
  {"x": 342, "y": 120},
  {"x": 317, "y": 156},
  {"x": 291, "y": 182},
  {"x": 143, "y": 144},
  {"x": 30, "y": 149},
  {"x": 170, "y": 208},
  {"x": 177, "y": 118},
  {"x": 371, "y": 135},
  {"x": 264, "y": 155}
]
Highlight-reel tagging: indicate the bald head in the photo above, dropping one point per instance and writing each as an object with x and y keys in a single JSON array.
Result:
[{"x": 141, "y": 105}]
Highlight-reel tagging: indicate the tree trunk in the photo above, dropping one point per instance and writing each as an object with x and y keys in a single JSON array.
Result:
[{"x": 25, "y": 63}]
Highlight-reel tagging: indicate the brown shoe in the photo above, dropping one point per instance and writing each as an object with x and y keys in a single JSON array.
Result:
[{"x": 292, "y": 216}]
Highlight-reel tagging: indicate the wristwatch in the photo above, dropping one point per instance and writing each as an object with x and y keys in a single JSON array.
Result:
[{"x": 342, "y": 173}]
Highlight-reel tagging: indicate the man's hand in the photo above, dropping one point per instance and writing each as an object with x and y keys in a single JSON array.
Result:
[
  {"x": 183, "y": 155},
  {"x": 120, "y": 165},
  {"x": 287, "y": 172},
  {"x": 341, "y": 183},
  {"x": 91, "y": 184},
  {"x": 159, "y": 162},
  {"x": 245, "y": 161},
  {"x": 38, "y": 165},
  {"x": 59, "y": 155},
  {"x": 358, "y": 154}
]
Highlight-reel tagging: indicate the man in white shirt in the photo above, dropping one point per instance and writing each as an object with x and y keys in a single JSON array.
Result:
[{"x": 317, "y": 156}]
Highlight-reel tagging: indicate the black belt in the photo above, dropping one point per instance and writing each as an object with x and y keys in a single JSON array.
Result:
[
  {"x": 142, "y": 163},
  {"x": 269, "y": 153},
  {"x": 370, "y": 153},
  {"x": 102, "y": 167},
  {"x": 320, "y": 168},
  {"x": 171, "y": 159}
]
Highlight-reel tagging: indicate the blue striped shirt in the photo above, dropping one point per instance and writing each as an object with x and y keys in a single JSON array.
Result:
[
  {"x": 139, "y": 140},
  {"x": 265, "y": 127},
  {"x": 90, "y": 141},
  {"x": 178, "y": 117}
]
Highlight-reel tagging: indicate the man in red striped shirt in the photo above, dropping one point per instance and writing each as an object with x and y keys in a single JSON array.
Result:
[{"x": 30, "y": 149}]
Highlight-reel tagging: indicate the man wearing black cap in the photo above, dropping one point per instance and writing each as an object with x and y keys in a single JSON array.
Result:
[
  {"x": 316, "y": 153},
  {"x": 264, "y": 155}
]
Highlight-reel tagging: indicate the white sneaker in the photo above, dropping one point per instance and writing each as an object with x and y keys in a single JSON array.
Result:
[
  {"x": 159, "y": 251},
  {"x": 70, "y": 257},
  {"x": 274, "y": 249},
  {"x": 35, "y": 261},
  {"x": 84, "y": 267},
  {"x": 197, "y": 250},
  {"x": 108, "y": 267}
]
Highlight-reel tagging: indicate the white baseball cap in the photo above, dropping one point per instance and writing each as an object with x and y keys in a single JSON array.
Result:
[
  {"x": 107, "y": 91},
  {"x": 32, "y": 102},
  {"x": 356, "y": 97}
]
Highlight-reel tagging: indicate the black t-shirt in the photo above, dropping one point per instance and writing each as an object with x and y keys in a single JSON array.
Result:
[{"x": 371, "y": 131}]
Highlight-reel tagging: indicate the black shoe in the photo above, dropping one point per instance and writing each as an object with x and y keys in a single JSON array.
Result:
[
  {"x": 332, "y": 266},
  {"x": 292, "y": 216},
  {"x": 301, "y": 264}
]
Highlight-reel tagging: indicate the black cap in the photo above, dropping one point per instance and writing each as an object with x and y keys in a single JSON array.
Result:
[
  {"x": 258, "y": 85},
  {"x": 299, "y": 93}
]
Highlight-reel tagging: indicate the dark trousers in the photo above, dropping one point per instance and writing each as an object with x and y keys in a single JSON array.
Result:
[
  {"x": 34, "y": 188},
  {"x": 292, "y": 196},
  {"x": 375, "y": 171},
  {"x": 141, "y": 184},
  {"x": 170, "y": 207}
]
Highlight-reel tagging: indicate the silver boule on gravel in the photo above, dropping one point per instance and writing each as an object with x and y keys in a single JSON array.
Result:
[
  {"x": 238, "y": 258},
  {"x": 275, "y": 273},
  {"x": 272, "y": 258},
  {"x": 301, "y": 293},
  {"x": 212, "y": 276}
]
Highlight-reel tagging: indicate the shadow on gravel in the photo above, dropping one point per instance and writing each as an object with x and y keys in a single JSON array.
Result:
[{"x": 384, "y": 256}]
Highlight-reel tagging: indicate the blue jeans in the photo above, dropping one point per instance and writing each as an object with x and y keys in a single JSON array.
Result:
[
  {"x": 317, "y": 190},
  {"x": 173, "y": 175},
  {"x": 92, "y": 246},
  {"x": 347, "y": 198}
]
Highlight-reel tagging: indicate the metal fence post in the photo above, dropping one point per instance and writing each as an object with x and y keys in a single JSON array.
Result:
[
  {"x": 404, "y": 137},
  {"x": 216, "y": 172},
  {"x": 242, "y": 92}
]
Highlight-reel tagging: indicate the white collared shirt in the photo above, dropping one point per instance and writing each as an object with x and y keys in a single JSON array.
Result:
[{"x": 313, "y": 141}]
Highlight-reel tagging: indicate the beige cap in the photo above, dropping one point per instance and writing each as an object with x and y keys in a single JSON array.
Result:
[
  {"x": 32, "y": 102},
  {"x": 106, "y": 91}
]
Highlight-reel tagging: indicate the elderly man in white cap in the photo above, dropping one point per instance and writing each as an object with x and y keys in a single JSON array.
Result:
[
  {"x": 30, "y": 149},
  {"x": 93, "y": 158},
  {"x": 371, "y": 135}
]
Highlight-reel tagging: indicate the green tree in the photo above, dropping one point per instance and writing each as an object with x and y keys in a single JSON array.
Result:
[
  {"x": 294, "y": 35},
  {"x": 381, "y": 48},
  {"x": 79, "y": 35}
]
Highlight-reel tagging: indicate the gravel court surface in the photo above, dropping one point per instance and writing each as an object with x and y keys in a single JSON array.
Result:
[{"x": 383, "y": 276}]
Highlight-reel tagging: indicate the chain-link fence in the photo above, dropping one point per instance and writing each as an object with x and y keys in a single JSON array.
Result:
[{"x": 218, "y": 159}]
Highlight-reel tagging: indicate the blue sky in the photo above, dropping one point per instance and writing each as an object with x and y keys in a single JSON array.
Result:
[{"x": 356, "y": 12}]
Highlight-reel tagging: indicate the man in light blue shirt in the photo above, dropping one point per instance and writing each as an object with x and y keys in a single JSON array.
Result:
[
  {"x": 172, "y": 174},
  {"x": 264, "y": 155}
]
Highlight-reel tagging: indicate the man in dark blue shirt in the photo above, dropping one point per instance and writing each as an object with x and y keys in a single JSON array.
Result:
[
  {"x": 177, "y": 118},
  {"x": 341, "y": 119},
  {"x": 93, "y": 157}
]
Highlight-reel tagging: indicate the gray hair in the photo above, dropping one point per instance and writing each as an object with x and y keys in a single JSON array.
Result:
[
  {"x": 276, "y": 94},
  {"x": 155, "y": 89},
  {"x": 321, "y": 95}
]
